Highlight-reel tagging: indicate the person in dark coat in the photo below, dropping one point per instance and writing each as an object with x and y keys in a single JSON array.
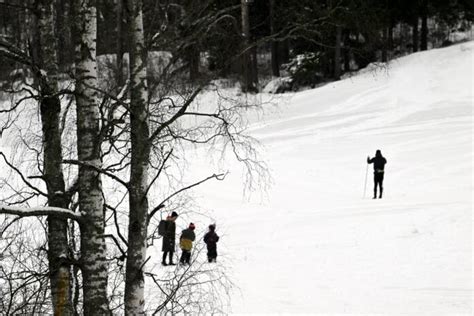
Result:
[
  {"x": 169, "y": 239},
  {"x": 379, "y": 164},
  {"x": 211, "y": 239},
  {"x": 186, "y": 243}
]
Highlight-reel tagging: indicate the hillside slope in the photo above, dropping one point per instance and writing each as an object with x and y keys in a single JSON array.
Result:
[{"x": 314, "y": 244}]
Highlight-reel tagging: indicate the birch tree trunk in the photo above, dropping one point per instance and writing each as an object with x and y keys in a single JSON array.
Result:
[
  {"x": 247, "y": 76},
  {"x": 193, "y": 56},
  {"x": 120, "y": 79},
  {"x": 390, "y": 40},
  {"x": 91, "y": 204},
  {"x": 50, "y": 109},
  {"x": 424, "y": 26},
  {"x": 140, "y": 152},
  {"x": 384, "y": 44},
  {"x": 337, "y": 53},
  {"x": 285, "y": 51},
  {"x": 415, "y": 34},
  {"x": 274, "y": 43}
]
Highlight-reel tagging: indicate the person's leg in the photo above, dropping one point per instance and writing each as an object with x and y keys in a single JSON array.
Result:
[
  {"x": 209, "y": 259},
  {"x": 188, "y": 257},
  {"x": 375, "y": 185},
  {"x": 171, "y": 258},
  {"x": 381, "y": 185},
  {"x": 163, "y": 262},
  {"x": 183, "y": 257},
  {"x": 212, "y": 254}
]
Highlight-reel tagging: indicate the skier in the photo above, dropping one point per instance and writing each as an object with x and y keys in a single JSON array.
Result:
[
  {"x": 186, "y": 243},
  {"x": 211, "y": 239},
  {"x": 379, "y": 163},
  {"x": 169, "y": 238}
]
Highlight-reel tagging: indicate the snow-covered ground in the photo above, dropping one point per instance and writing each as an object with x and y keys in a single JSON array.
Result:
[{"x": 314, "y": 244}]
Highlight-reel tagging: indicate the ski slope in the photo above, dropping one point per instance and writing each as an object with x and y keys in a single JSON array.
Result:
[{"x": 313, "y": 244}]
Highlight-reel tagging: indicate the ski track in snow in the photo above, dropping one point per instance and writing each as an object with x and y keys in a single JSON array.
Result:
[{"x": 314, "y": 245}]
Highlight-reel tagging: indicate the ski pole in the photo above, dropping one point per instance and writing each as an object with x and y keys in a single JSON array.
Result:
[{"x": 365, "y": 184}]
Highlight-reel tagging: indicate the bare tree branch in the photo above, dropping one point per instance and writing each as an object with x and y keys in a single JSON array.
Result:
[
  {"x": 159, "y": 172},
  {"x": 103, "y": 171},
  {"x": 40, "y": 211},
  {"x": 124, "y": 254},
  {"x": 219, "y": 177},
  {"x": 22, "y": 176},
  {"x": 114, "y": 211},
  {"x": 181, "y": 112}
]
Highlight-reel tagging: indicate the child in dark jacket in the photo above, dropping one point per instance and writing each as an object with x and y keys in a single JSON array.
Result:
[
  {"x": 211, "y": 239},
  {"x": 186, "y": 243}
]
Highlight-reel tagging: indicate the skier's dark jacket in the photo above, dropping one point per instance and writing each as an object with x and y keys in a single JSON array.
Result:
[{"x": 379, "y": 162}]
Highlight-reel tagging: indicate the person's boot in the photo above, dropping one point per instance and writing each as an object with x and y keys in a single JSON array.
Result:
[
  {"x": 163, "y": 261},
  {"x": 380, "y": 196},
  {"x": 171, "y": 260}
]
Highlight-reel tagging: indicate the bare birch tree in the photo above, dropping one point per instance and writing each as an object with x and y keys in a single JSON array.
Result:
[
  {"x": 91, "y": 203},
  {"x": 44, "y": 65},
  {"x": 140, "y": 156},
  {"x": 137, "y": 144},
  {"x": 50, "y": 109}
]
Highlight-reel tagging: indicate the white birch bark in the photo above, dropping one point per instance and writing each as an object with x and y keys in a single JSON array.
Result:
[{"x": 91, "y": 203}]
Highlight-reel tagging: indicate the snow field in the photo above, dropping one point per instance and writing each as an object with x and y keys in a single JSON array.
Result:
[{"x": 313, "y": 244}]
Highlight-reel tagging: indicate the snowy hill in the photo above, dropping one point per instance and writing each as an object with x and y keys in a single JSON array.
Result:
[{"x": 314, "y": 245}]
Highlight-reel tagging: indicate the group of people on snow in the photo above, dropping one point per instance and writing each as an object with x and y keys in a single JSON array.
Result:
[
  {"x": 211, "y": 238},
  {"x": 185, "y": 241}
]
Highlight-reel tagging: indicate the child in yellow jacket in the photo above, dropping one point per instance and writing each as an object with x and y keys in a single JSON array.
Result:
[{"x": 186, "y": 243}]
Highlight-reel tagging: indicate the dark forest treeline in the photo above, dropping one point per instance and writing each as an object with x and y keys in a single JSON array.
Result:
[{"x": 254, "y": 38}]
